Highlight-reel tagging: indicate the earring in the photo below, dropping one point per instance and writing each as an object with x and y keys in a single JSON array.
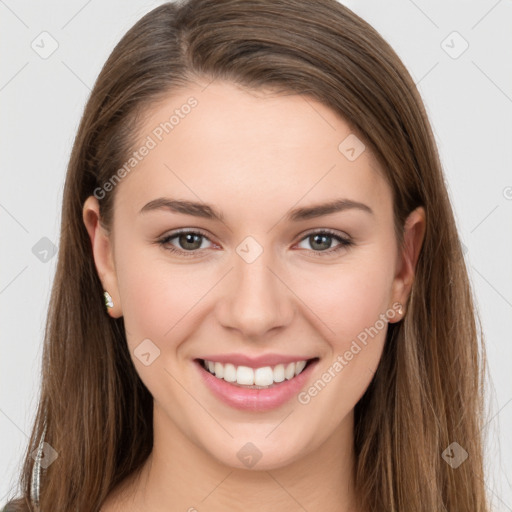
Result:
[
  {"x": 108, "y": 300},
  {"x": 35, "y": 481},
  {"x": 400, "y": 310}
]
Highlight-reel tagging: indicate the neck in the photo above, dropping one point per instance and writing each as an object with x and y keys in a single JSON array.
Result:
[{"x": 180, "y": 476}]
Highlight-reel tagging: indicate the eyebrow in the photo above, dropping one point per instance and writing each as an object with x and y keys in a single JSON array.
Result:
[{"x": 209, "y": 212}]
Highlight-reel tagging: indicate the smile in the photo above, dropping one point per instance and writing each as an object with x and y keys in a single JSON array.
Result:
[
  {"x": 254, "y": 378},
  {"x": 257, "y": 385}
]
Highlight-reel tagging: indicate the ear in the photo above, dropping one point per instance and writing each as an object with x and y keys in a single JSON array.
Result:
[
  {"x": 414, "y": 232},
  {"x": 103, "y": 253}
]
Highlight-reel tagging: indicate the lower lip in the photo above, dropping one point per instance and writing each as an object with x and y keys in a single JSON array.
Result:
[{"x": 255, "y": 399}]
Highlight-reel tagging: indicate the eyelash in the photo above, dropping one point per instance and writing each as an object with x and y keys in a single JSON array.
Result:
[{"x": 343, "y": 242}]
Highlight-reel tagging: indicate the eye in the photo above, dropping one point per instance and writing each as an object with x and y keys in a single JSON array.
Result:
[
  {"x": 189, "y": 242},
  {"x": 321, "y": 242}
]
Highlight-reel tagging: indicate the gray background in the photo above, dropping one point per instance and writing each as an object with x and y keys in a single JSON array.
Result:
[{"x": 468, "y": 97}]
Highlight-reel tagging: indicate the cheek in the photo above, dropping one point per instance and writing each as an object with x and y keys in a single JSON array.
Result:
[
  {"x": 158, "y": 299},
  {"x": 348, "y": 298},
  {"x": 161, "y": 303},
  {"x": 354, "y": 305},
  {"x": 356, "y": 308}
]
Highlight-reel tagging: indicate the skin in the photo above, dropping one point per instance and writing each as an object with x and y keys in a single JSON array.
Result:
[{"x": 253, "y": 156}]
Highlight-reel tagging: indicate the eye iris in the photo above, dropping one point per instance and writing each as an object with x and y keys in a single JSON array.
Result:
[
  {"x": 319, "y": 239},
  {"x": 188, "y": 238}
]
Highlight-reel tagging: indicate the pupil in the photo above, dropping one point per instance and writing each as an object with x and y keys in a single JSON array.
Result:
[
  {"x": 316, "y": 241},
  {"x": 188, "y": 238},
  {"x": 320, "y": 241}
]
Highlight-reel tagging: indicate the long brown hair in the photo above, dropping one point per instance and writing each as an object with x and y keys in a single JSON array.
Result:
[{"x": 427, "y": 390}]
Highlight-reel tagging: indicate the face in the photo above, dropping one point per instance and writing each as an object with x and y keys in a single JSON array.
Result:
[{"x": 255, "y": 275}]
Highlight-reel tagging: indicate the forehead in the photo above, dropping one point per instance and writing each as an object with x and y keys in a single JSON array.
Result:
[{"x": 250, "y": 149}]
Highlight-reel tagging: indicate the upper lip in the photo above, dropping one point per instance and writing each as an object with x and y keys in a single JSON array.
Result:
[{"x": 255, "y": 362}]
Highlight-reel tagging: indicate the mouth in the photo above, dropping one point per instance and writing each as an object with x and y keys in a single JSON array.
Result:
[
  {"x": 263, "y": 377},
  {"x": 250, "y": 386}
]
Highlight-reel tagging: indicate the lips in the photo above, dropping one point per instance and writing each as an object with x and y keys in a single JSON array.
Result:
[
  {"x": 257, "y": 361},
  {"x": 251, "y": 386}
]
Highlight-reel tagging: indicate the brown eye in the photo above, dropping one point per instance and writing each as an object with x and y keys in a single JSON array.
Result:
[
  {"x": 188, "y": 242},
  {"x": 322, "y": 242}
]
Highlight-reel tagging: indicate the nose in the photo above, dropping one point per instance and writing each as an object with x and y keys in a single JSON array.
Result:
[{"x": 258, "y": 299}]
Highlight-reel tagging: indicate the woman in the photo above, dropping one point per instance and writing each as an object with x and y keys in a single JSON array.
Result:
[{"x": 260, "y": 299}]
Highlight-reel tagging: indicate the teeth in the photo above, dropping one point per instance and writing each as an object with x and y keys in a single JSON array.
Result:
[
  {"x": 254, "y": 377},
  {"x": 245, "y": 376},
  {"x": 264, "y": 376},
  {"x": 229, "y": 373},
  {"x": 219, "y": 370},
  {"x": 299, "y": 367},
  {"x": 289, "y": 371},
  {"x": 278, "y": 373}
]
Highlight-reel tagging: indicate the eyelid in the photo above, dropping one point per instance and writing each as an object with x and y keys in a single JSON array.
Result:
[
  {"x": 178, "y": 231},
  {"x": 329, "y": 231},
  {"x": 165, "y": 240},
  {"x": 344, "y": 239},
  {"x": 200, "y": 231}
]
